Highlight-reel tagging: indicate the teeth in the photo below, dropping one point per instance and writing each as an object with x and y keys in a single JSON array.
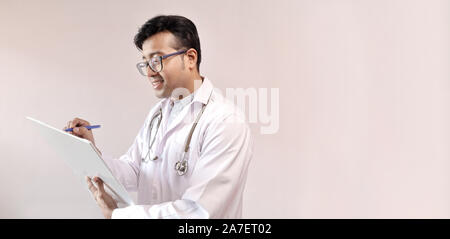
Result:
[{"x": 157, "y": 83}]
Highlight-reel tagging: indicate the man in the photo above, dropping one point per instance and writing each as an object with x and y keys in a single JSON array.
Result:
[{"x": 191, "y": 156}]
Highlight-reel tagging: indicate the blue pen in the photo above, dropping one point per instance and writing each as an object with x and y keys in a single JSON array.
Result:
[{"x": 87, "y": 127}]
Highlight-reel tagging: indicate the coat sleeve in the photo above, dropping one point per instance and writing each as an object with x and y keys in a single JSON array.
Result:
[
  {"x": 126, "y": 168},
  {"x": 217, "y": 181}
]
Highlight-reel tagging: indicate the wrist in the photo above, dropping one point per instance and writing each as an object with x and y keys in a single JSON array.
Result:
[{"x": 109, "y": 213}]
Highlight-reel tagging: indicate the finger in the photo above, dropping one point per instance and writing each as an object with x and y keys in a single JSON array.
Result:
[
  {"x": 80, "y": 131},
  {"x": 73, "y": 123},
  {"x": 68, "y": 126},
  {"x": 100, "y": 185},
  {"x": 79, "y": 122},
  {"x": 91, "y": 186},
  {"x": 64, "y": 129}
]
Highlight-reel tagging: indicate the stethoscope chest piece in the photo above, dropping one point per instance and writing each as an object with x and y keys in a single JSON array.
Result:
[{"x": 181, "y": 167}]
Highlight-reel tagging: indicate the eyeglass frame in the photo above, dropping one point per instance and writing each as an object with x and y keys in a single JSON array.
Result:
[{"x": 161, "y": 58}]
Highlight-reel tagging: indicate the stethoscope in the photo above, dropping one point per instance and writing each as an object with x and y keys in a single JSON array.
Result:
[{"x": 181, "y": 166}]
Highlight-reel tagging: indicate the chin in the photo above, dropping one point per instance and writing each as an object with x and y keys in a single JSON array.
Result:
[{"x": 161, "y": 94}]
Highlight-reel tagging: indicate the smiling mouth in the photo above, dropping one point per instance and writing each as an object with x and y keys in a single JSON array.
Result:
[{"x": 157, "y": 83}]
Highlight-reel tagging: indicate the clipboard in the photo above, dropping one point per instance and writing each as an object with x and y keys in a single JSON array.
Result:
[{"x": 84, "y": 159}]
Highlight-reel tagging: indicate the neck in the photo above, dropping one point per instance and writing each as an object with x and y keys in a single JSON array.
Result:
[{"x": 193, "y": 85}]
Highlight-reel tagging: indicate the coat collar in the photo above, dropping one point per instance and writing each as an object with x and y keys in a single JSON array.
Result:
[{"x": 203, "y": 93}]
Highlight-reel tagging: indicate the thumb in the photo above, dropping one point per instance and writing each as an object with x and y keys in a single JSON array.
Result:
[{"x": 80, "y": 131}]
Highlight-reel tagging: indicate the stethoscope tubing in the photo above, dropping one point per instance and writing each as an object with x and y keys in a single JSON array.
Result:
[{"x": 181, "y": 166}]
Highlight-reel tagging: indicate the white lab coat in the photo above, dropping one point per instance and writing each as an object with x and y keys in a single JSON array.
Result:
[{"x": 219, "y": 155}]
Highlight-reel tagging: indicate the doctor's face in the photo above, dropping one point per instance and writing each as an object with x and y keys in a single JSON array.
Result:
[{"x": 173, "y": 73}]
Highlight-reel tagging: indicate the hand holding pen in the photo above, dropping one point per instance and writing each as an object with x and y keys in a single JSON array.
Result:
[{"x": 81, "y": 128}]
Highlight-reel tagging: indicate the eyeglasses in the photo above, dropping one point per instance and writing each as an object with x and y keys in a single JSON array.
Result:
[{"x": 155, "y": 63}]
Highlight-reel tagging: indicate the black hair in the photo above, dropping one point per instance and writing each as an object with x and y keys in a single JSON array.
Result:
[{"x": 182, "y": 28}]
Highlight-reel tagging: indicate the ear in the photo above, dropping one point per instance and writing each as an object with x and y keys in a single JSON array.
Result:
[{"x": 191, "y": 55}]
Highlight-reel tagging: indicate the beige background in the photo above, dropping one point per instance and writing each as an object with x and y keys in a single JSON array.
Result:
[{"x": 364, "y": 99}]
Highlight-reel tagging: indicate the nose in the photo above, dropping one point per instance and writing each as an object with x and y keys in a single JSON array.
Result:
[
  {"x": 152, "y": 75},
  {"x": 150, "y": 72}
]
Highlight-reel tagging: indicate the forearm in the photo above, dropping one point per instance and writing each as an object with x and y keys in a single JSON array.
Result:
[
  {"x": 124, "y": 170},
  {"x": 175, "y": 209}
]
